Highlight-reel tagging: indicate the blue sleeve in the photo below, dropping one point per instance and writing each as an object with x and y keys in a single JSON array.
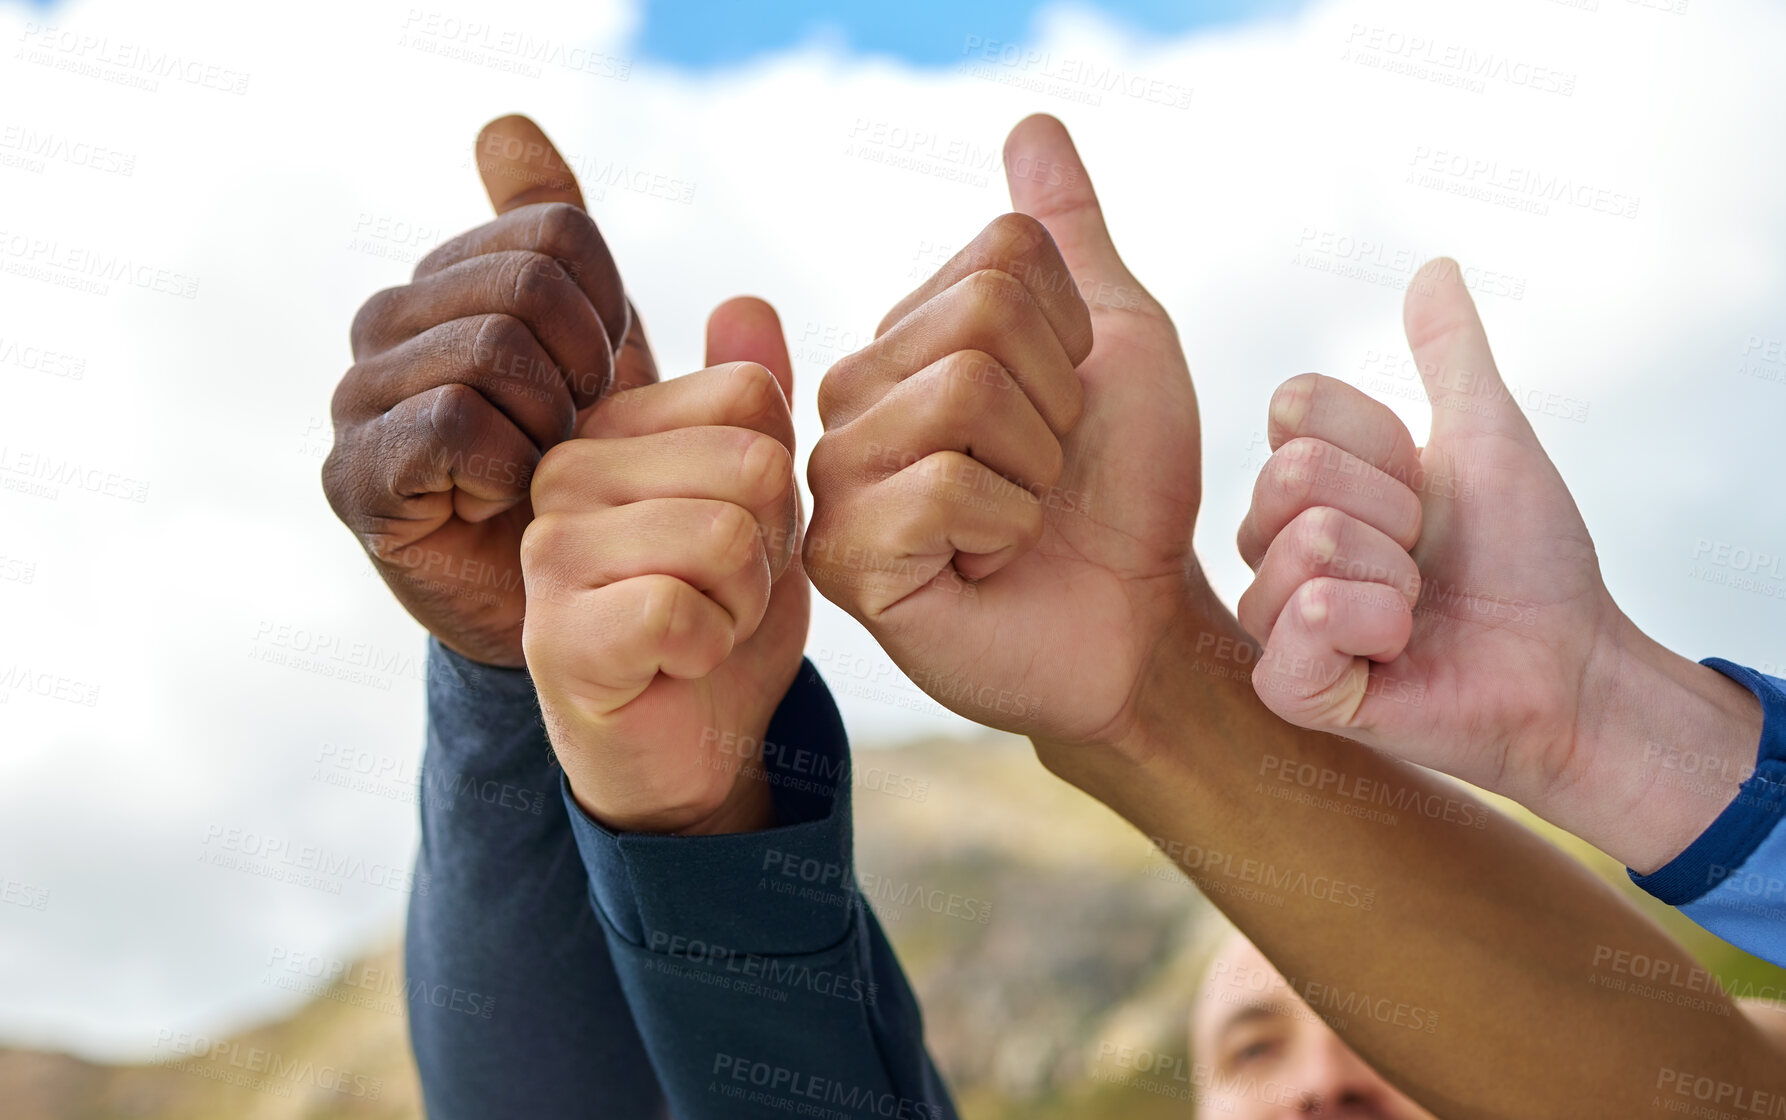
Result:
[
  {"x": 1732, "y": 879},
  {"x": 514, "y": 1005},
  {"x": 760, "y": 980}
]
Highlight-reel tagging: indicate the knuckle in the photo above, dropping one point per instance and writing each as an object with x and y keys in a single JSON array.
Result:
[
  {"x": 828, "y": 575},
  {"x": 1317, "y": 535},
  {"x": 565, "y": 231},
  {"x": 1291, "y": 475},
  {"x": 765, "y": 468},
  {"x": 1321, "y": 592},
  {"x": 967, "y": 381},
  {"x": 940, "y": 468},
  {"x": 821, "y": 465},
  {"x": 831, "y": 549},
  {"x": 337, "y": 480},
  {"x": 557, "y": 467},
  {"x": 834, "y": 391},
  {"x": 815, "y": 552},
  {"x": 499, "y": 341},
  {"x": 502, "y": 352},
  {"x": 984, "y": 371},
  {"x": 532, "y": 280},
  {"x": 732, "y": 535},
  {"x": 1014, "y": 236},
  {"x": 941, "y": 404},
  {"x": 1302, "y": 451},
  {"x": 541, "y": 542},
  {"x": 454, "y": 416},
  {"x": 347, "y": 392},
  {"x": 829, "y": 473},
  {"x": 1244, "y": 536},
  {"x": 752, "y": 394},
  {"x": 666, "y": 616},
  {"x": 536, "y": 645},
  {"x": 657, "y": 610},
  {"x": 373, "y": 317},
  {"x": 994, "y": 298}
]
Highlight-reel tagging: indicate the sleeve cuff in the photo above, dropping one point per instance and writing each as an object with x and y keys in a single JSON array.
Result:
[
  {"x": 1742, "y": 827},
  {"x": 484, "y": 725},
  {"x": 783, "y": 891},
  {"x": 450, "y": 672}
]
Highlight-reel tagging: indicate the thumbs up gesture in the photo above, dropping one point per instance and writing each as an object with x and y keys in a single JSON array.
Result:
[
  {"x": 463, "y": 378},
  {"x": 666, "y": 609},
  {"x": 1006, "y": 487},
  {"x": 533, "y": 495},
  {"x": 1444, "y": 603}
]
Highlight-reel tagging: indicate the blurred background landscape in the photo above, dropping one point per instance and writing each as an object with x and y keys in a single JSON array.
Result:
[
  {"x": 1091, "y": 942},
  {"x": 197, "y": 195}
]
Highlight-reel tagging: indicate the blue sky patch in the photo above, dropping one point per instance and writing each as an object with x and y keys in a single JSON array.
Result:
[{"x": 708, "y": 34}]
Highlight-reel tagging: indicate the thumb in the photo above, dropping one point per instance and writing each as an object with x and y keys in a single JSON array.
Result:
[
  {"x": 520, "y": 166},
  {"x": 1451, "y": 349},
  {"x": 746, "y": 329},
  {"x": 1048, "y": 182}
]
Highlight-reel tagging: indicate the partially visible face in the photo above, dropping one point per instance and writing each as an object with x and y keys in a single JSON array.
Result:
[{"x": 1268, "y": 1055}]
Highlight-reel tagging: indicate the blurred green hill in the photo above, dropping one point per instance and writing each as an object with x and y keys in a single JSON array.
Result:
[{"x": 1040, "y": 932}]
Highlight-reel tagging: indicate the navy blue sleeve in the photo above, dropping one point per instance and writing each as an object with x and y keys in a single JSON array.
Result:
[
  {"x": 514, "y": 1005},
  {"x": 1732, "y": 879},
  {"x": 760, "y": 980}
]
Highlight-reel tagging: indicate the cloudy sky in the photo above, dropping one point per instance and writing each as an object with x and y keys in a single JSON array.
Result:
[{"x": 182, "y": 249}]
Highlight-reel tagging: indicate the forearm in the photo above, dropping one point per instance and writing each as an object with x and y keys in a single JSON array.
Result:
[
  {"x": 514, "y": 1005},
  {"x": 1731, "y": 877},
  {"x": 1673, "y": 742},
  {"x": 1376, "y": 886}
]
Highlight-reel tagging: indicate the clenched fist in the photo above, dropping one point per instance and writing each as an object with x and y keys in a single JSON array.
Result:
[
  {"x": 1005, "y": 492},
  {"x": 666, "y": 608},
  {"x": 464, "y": 378}
]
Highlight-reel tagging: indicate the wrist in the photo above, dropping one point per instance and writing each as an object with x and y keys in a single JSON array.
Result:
[
  {"x": 1195, "y": 686},
  {"x": 1669, "y": 743},
  {"x": 489, "y": 634},
  {"x": 728, "y": 792},
  {"x": 749, "y": 807},
  {"x": 494, "y": 655}
]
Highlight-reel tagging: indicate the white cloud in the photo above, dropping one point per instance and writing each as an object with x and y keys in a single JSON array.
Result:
[{"x": 349, "y": 119}]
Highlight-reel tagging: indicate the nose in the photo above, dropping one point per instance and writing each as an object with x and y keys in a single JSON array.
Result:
[{"x": 1333, "y": 1081}]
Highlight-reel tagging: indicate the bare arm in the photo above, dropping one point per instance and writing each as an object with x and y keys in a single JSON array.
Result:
[
  {"x": 1006, "y": 499},
  {"x": 1447, "y": 907}
]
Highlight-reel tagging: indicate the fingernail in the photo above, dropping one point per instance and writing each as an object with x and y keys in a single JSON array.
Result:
[
  {"x": 1289, "y": 405},
  {"x": 1314, "y": 611}
]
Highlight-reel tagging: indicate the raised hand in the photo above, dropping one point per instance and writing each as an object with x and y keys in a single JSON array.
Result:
[
  {"x": 1445, "y": 603},
  {"x": 666, "y": 608},
  {"x": 1006, "y": 487},
  {"x": 1025, "y": 556},
  {"x": 463, "y": 378}
]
